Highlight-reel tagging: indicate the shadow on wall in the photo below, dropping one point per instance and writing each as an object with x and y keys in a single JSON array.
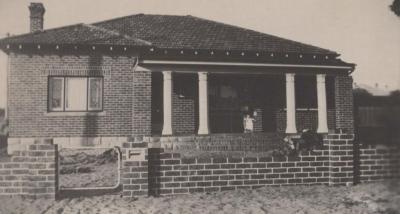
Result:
[
  {"x": 3, "y": 129},
  {"x": 91, "y": 121}
]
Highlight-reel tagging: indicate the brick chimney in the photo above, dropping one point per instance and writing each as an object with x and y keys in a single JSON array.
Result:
[{"x": 36, "y": 16}]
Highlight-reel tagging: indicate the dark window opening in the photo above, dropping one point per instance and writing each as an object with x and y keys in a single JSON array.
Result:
[
  {"x": 185, "y": 85},
  {"x": 330, "y": 92},
  {"x": 306, "y": 91},
  {"x": 231, "y": 97},
  {"x": 156, "y": 102}
]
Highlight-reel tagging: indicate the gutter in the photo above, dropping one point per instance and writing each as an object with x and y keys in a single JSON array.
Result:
[{"x": 351, "y": 68}]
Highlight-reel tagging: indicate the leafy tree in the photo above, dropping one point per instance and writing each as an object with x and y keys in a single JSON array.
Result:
[
  {"x": 361, "y": 92},
  {"x": 394, "y": 97},
  {"x": 361, "y": 96},
  {"x": 395, "y": 7}
]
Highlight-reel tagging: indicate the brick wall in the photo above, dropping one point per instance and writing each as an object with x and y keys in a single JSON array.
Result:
[
  {"x": 31, "y": 172},
  {"x": 344, "y": 103},
  {"x": 123, "y": 113},
  {"x": 341, "y": 159},
  {"x": 141, "y": 111},
  {"x": 169, "y": 173},
  {"x": 183, "y": 111},
  {"x": 175, "y": 175},
  {"x": 134, "y": 174},
  {"x": 185, "y": 104},
  {"x": 378, "y": 163},
  {"x": 305, "y": 119},
  {"x": 127, "y": 99},
  {"x": 36, "y": 16}
]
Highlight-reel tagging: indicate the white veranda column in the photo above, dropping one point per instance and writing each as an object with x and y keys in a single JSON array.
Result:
[
  {"x": 290, "y": 105},
  {"x": 321, "y": 94},
  {"x": 203, "y": 104},
  {"x": 167, "y": 100}
]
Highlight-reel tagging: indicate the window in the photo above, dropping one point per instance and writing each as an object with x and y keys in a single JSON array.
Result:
[{"x": 75, "y": 93}]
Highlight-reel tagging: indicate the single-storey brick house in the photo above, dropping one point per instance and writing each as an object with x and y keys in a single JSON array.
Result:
[{"x": 163, "y": 75}]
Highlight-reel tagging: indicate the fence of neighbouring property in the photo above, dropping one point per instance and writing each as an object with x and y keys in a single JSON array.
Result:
[{"x": 377, "y": 124}]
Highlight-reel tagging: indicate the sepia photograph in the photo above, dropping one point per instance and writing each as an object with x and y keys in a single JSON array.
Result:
[{"x": 200, "y": 106}]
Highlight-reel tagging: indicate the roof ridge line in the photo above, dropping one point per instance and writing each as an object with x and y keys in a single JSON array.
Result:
[
  {"x": 116, "y": 33},
  {"x": 137, "y": 14}
]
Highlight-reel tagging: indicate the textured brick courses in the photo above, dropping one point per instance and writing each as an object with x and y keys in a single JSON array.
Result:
[
  {"x": 135, "y": 174},
  {"x": 27, "y": 173},
  {"x": 328, "y": 166},
  {"x": 124, "y": 115},
  {"x": 378, "y": 164}
]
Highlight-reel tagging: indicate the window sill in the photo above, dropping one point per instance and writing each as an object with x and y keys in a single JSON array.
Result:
[{"x": 76, "y": 114}]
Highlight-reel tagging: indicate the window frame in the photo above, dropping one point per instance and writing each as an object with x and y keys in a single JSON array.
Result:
[
  {"x": 88, "y": 94},
  {"x": 63, "y": 109},
  {"x": 50, "y": 95}
]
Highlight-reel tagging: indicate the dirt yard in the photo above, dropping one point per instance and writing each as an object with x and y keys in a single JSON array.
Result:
[
  {"x": 88, "y": 168},
  {"x": 366, "y": 198}
]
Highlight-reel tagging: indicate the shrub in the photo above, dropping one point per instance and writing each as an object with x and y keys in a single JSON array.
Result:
[{"x": 293, "y": 145}]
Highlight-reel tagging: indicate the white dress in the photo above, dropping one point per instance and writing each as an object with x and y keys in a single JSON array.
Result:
[{"x": 248, "y": 123}]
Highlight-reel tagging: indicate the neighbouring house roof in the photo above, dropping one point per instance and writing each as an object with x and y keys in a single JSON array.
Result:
[{"x": 171, "y": 32}]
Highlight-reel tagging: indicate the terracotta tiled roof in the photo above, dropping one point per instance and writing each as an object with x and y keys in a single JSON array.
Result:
[
  {"x": 166, "y": 31},
  {"x": 74, "y": 34}
]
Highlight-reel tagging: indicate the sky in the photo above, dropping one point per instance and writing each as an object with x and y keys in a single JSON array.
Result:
[{"x": 364, "y": 32}]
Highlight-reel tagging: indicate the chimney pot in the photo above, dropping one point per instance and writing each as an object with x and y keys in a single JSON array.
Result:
[{"x": 36, "y": 17}]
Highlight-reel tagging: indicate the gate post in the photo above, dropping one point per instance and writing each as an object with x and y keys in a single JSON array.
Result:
[
  {"x": 134, "y": 172},
  {"x": 31, "y": 170},
  {"x": 341, "y": 159}
]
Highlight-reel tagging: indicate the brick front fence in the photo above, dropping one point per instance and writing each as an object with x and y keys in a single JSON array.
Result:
[
  {"x": 32, "y": 171},
  {"x": 164, "y": 173},
  {"x": 378, "y": 163},
  {"x": 170, "y": 174},
  {"x": 134, "y": 174}
]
